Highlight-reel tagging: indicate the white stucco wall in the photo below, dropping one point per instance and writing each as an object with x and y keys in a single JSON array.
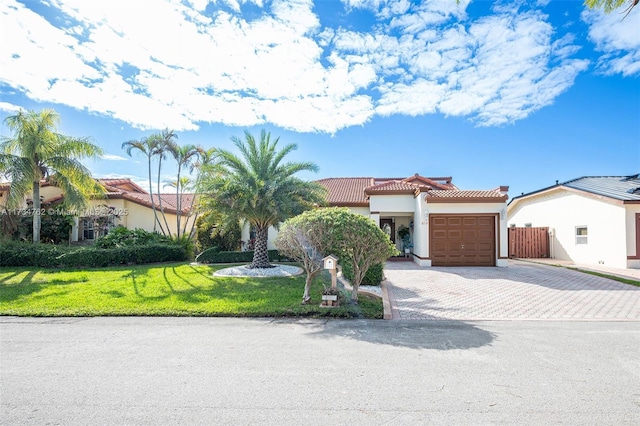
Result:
[
  {"x": 272, "y": 233},
  {"x": 392, "y": 203},
  {"x": 364, "y": 211},
  {"x": 563, "y": 211}
]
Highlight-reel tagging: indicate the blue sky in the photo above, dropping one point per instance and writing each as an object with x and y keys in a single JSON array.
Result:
[{"x": 490, "y": 93}]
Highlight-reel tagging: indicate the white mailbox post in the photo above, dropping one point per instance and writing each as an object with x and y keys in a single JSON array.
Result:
[{"x": 331, "y": 263}]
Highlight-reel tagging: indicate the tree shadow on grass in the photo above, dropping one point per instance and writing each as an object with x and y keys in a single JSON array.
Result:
[
  {"x": 414, "y": 334},
  {"x": 10, "y": 292}
]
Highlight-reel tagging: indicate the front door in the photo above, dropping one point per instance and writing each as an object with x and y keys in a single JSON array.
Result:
[{"x": 389, "y": 228}]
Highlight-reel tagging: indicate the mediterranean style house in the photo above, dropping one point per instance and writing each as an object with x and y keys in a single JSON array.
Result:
[
  {"x": 441, "y": 224},
  {"x": 591, "y": 219},
  {"x": 124, "y": 203}
]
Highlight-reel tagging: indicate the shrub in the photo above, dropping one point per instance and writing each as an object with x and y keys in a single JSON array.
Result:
[
  {"x": 123, "y": 237},
  {"x": 186, "y": 242},
  {"x": 373, "y": 276},
  {"x": 207, "y": 255},
  {"x": 225, "y": 235},
  {"x": 50, "y": 256}
]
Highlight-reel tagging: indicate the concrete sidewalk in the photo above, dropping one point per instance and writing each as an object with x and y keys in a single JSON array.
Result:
[{"x": 628, "y": 273}]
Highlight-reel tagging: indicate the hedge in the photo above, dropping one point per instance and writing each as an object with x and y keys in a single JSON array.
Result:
[
  {"x": 51, "y": 256},
  {"x": 213, "y": 255},
  {"x": 374, "y": 275}
]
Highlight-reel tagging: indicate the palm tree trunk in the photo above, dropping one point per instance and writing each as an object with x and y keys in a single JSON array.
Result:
[
  {"x": 156, "y": 221},
  {"x": 166, "y": 223},
  {"x": 36, "y": 212},
  {"x": 178, "y": 202},
  {"x": 260, "y": 254},
  {"x": 186, "y": 219}
]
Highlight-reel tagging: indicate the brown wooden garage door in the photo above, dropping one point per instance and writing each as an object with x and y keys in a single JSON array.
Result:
[{"x": 459, "y": 240}]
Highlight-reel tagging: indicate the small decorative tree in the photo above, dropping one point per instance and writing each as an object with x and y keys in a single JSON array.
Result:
[
  {"x": 351, "y": 236},
  {"x": 300, "y": 240}
]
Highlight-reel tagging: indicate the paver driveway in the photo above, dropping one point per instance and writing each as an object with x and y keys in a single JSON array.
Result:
[{"x": 521, "y": 291}]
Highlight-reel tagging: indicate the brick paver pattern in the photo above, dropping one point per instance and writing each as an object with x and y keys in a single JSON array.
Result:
[{"x": 521, "y": 291}]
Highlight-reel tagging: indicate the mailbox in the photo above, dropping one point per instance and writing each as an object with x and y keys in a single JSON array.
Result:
[{"x": 330, "y": 262}]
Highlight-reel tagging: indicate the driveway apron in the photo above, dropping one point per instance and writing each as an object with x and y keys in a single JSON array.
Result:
[{"x": 522, "y": 291}]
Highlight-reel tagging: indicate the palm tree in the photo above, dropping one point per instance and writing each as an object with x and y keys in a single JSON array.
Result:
[
  {"x": 185, "y": 184},
  {"x": 165, "y": 138},
  {"x": 35, "y": 152},
  {"x": 260, "y": 188},
  {"x": 150, "y": 147},
  {"x": 186, "y": 156}
]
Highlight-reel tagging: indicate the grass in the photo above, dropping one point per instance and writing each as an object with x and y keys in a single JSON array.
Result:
[
  {"x": 611, "y": 277},
  {"x": 175, "y": 289}
]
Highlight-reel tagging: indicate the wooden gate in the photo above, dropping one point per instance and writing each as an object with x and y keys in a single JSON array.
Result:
[{"x": 529, "y": 243}]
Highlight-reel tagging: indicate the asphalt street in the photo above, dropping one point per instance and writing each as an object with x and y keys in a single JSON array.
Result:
[{"x": 157, "y": 371}]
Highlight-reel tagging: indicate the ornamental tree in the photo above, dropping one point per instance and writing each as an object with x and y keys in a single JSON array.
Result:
[
  {"x": 305, "y": 239},
  {"x": 350, "y": 236}
]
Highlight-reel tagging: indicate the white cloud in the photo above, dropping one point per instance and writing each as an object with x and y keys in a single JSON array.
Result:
[
  {"x": 112, "y": 157},
  {"x": 200, "y": 61},
  {"x": 9, "y": 107},
  {"x": 618, "y": 40}
]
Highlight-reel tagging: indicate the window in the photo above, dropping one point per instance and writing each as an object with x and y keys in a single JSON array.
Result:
[{"x": 581, "y": 235}]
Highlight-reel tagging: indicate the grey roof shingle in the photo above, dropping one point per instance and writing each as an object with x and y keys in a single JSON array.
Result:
[
  {"x": 622, "y": 188},
  {"x": 625, "y": 188}
]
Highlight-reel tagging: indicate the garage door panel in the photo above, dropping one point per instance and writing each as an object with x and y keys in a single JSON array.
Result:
[
  {"x": 469, "y": 221},
  {"x": 459, "y": 240},
  {"x": 440, "y": 234},
  {"x": 454, "y": 234},
  {"x": 438, "y": 221},
  {"x": 485, "y": 221},
  {"x": 470, "y": 234}
]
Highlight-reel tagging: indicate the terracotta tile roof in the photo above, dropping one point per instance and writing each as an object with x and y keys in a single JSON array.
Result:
[
  {"x": 434, "y": 183},
  {"x": 127, "y": 189},
  {"x": 121, "y": 185},
  {"x": 169, "y": 201},
  {"x": 411, "y": 185},
  {"x": 354, "y": 192},
  {"x": 348, "y": 192},
  {"x": 392, "y": 187},
  {"x": 464, "y": 196}
]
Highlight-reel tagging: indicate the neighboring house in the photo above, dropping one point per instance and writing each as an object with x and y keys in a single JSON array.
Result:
[
  {"x": 125, "y": 204},
  {"x": 448, "y": 226},
  {"x": 591, "y": 220}
]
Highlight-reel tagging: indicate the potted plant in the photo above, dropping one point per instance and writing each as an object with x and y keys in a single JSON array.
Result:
[{"x": 405, "y": 235}]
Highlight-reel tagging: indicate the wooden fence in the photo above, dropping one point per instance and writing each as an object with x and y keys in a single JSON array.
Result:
[{"x": 529, "y": 243}]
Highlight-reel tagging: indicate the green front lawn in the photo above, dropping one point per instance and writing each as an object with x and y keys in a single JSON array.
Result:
[{"x": 175, "y": 289}]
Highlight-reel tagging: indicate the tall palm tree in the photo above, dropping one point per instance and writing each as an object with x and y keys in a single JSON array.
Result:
[
  {"x": 35, "y": 152},
  {"x": 184, "y": 185},
  {"x": 150, "y": 147},
  {"x": 260, "y": 187},
  {"x": 186, "y": 156},
  {"x": 165, "y": 138}
]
